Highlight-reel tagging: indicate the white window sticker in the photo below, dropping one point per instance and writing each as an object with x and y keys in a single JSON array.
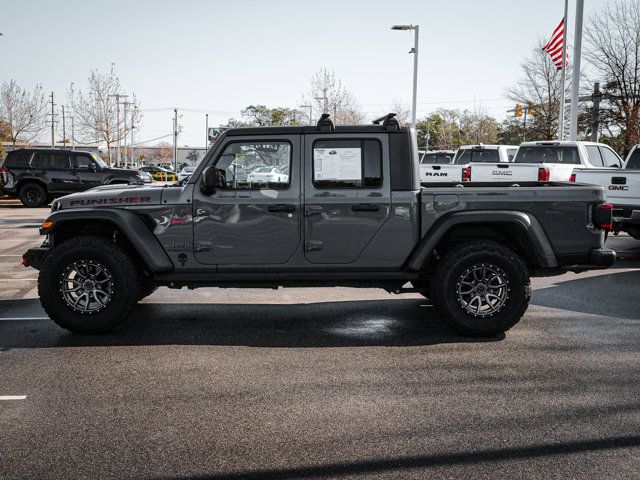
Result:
[{"x": 337, "y": 164}]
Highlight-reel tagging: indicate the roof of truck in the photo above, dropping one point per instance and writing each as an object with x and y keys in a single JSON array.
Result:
[
  {"x": 557, "y": 143},
  {"x": 297, "y": 130}
]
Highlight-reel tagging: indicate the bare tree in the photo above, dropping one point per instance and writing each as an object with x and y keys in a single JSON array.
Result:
[
  {"x": 328, "y": 95},
  {"x": 22, "y": 111},
  {"x": 95, "y": 111},
  {"x": 540, "y": 86},
  {"x": 613, "y": 40},
  {"x": 402, "y": 111}
]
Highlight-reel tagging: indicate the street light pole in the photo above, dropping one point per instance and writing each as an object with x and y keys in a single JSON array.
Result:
[
  {"x": 414, "y": 50},
  {"x": 206, "y": 132},
  {"x": 575, "y": 92}
]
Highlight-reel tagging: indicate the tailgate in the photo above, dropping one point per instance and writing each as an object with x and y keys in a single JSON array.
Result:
[
  {"x": 622, "y": 186},
  {"x": 441, "y": 173},
  {"x": 504, "y": 172}
]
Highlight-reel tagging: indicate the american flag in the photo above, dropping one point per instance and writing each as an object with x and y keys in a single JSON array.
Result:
[{"x": 554, "y": 47}]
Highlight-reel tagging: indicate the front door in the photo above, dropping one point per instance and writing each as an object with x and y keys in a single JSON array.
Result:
[
  {"x": 86, "y": 172},
  {"x": 254, "y": 217},
  {"x": 348, "y": 196}
]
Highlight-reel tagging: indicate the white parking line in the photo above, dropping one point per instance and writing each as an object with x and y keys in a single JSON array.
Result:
[
  {"x": 18, "y": 279},
  {"x": 13, "y": 397},
  {"x": 13, "y": 319},
  {"x": 10, "y": 255}
]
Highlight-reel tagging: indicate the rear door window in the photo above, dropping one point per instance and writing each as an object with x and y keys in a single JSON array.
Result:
[
  {"x": 40, "y": 160},
  {"x": 347, "y": 163},
  {"x": 17, "y": 159},
  {"x": 593, "y": 152},
  {"x": 609, "y": 158},
  {"x": 59, "y": 161}
]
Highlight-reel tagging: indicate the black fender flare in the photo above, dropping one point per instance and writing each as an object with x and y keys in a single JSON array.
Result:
[
  {"x": 128, "y": 222},
  {"x": 527, "y": 223}
]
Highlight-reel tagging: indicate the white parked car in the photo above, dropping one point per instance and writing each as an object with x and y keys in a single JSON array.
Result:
[
  {"x": 267, "y": 175},
  {"x": 556, "y": 160},
  {"x": 185, "y": 173}
]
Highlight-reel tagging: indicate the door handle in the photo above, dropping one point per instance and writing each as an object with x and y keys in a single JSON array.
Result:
[
  {"x": 365, "y": 207},
  {"x": 281, "y": 208},
  {"x": 312, "y": 210}
]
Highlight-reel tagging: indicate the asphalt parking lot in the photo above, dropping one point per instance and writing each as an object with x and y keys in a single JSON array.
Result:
[{"x": 320, "y": 383}]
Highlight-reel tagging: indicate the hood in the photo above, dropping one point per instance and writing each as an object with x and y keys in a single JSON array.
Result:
[{"x": 112, "y": 196}]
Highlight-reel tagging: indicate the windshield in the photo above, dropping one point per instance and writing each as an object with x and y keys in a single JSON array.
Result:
[
  {"x": 548, "y": 154},
  {"x": 98, "y": 160}
]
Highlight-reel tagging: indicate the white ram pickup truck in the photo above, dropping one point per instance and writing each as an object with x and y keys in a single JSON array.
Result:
[
  {"x": 555, "y": 161},
  {"x": 623, "y": 191}
]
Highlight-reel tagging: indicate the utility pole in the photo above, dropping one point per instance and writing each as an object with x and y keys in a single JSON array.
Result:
[
  {"x": 596, "y": 97},
  {"x": 577, "y": 51},
  {"x": 64, "y": 129},
  {"x": 125, "y": 104},
  {"x": 175, "y": 139},
  {"x": 206, "y": 131},
  {"x": 118, "y": 96},
  {"x": 53, "y": 123},
  {"x": 73, "y": 139},
  {"x": 133, "y": 111}
]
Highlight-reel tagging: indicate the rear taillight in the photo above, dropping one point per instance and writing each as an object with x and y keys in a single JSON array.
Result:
[
  {"x": 466, "y": 174},
  {"x": 572, "y": 178},
  {"x": 543, "y": 174},
  {"x": 604, "y": 216}
]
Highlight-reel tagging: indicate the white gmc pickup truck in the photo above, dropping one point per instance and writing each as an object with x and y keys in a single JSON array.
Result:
[
  {"x": 623, "y": 191},
  {"x": 555, "y": 161}
]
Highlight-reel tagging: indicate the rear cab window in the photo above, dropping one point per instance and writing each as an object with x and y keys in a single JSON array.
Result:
[
  {"x": 470, "y": 155},
  {"x": 548, "y": 154}
]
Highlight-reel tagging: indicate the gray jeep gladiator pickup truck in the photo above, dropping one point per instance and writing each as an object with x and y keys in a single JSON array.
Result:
[{"x": 317, "y": 206}]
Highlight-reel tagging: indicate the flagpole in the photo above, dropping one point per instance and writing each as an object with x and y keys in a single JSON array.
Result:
[
  {"x": 564, "y": 73},
  {"x": 575, "y": 84}
]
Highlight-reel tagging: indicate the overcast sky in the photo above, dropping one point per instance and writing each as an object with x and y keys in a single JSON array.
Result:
[{"x": 220, "y": 56}]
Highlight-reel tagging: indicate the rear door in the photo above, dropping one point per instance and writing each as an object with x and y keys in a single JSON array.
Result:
[
  {"x": 347, "y": 195},
  {"x": 244, "y": 223}
]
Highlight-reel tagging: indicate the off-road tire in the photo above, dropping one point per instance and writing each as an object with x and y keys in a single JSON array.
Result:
[
  {"x": 123, "y": 274},
  {"x": 450, "y": 273},
  {"x": 33, "y": 195}
]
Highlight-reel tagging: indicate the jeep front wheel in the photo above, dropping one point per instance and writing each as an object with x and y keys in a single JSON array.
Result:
[
  {"x": 88, "y": 285},
  {"x": 33, "y": 195},
  {"x": 481, "y": 288}
]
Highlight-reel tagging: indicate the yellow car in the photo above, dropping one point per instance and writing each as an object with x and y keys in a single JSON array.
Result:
[{"x": 160, "y": 174}]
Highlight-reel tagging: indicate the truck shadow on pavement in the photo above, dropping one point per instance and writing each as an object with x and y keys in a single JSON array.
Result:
[
  {"x": 330, "y": 324},
  {"x": 612, "y": 295}
]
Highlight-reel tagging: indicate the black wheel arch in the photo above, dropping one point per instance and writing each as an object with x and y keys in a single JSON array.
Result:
[
  {"x": 118, "y": 225},
  {"x": 518, "y": 230}
]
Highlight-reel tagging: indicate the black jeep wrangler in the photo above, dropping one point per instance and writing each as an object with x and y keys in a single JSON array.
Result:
[{"x": 37, "y": 176}]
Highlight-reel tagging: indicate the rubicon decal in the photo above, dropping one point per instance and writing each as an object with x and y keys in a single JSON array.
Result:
[{"x": 110, "y": 201}]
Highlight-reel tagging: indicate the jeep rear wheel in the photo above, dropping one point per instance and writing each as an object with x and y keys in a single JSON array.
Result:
[
  {"x": 88, "y": 285},
  {"x": 481, "y": 288},
  {"x": 33, "y": 195}
]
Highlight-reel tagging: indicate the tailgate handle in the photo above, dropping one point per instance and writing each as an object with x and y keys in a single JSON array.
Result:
[
  {"x": 500, "y": 165},
  {"x": 365, "y": 207},
  {"x": 619, "y": 180},
  {"x": 281, "y": 208}
]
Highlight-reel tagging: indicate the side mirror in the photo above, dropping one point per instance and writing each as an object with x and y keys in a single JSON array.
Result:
[
  {"x": 209, "y": 180},
  {"x": 93, "y": 167}
]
